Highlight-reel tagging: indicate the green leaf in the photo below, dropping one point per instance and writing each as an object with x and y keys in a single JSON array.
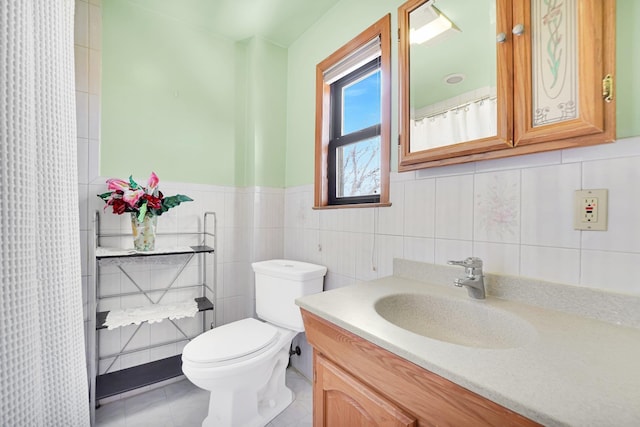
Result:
[
  {"x": 172, "y": 202},
  {"x": 105, "y": 196},
  {"x": 134, "y": 185},
  {"x": 143, "y": 212}
]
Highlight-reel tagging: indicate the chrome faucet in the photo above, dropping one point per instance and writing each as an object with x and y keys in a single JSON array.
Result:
[{"x": 474, "y": 281}]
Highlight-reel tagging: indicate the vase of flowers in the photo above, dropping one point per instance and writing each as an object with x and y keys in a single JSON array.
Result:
[
  {"x": 144, "y": 232},
  {"x": 144, "y": 204}
]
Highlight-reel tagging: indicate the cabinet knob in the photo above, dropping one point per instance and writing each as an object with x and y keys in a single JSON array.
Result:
[
  {"x": 518, "y": 30},
  {"x": 501, "y": 37}
]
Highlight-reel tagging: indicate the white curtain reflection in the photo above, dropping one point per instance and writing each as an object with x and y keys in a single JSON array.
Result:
[{"x": 471, "y": 121}]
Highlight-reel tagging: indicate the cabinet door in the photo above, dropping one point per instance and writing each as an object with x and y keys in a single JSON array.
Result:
[
  {"x": 562, "y": 52},
  {"x": 456, "y": 89},
  {"x": 341, "y": 400}
]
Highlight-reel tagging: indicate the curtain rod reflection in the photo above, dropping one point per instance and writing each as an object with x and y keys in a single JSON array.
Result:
[{"x": 456, "y": 108}]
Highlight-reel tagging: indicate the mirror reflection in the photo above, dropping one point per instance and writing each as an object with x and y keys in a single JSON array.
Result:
[{"x": 452, "y": 73}]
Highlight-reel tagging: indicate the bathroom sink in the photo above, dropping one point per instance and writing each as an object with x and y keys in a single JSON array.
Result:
[{"x": 467, "y": 323}]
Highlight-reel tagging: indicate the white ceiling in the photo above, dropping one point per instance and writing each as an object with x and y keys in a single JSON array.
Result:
[{"x": 279, "y": 21}]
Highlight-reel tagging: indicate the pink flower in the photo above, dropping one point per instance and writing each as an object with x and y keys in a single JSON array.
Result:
[
  {"x": 128, "y": 196},
  {"x": 114, "y": 184},
  {"x": 152, "y": 184},
  {"x": 132, "y": 196}
]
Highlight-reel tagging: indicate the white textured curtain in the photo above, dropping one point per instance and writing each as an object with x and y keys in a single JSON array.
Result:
[
  {"x": 43, "y": 380},
  {"x": 475, "y": 120}
]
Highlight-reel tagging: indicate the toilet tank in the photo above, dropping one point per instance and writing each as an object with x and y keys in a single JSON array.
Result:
[{"x": 278, "y": 283}]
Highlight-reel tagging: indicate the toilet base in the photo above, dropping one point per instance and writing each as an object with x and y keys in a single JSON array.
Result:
[
  {"x": 246, "y": 407},
  {"x": 269, "y": 413},
  {"x": 264, "y": 415}
]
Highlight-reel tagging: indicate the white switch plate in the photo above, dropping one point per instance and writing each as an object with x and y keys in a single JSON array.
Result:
[{"x": 590, "y": 210}]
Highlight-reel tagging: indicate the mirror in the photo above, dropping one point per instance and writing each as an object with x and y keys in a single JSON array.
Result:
[{"x": 452, "y": 94}]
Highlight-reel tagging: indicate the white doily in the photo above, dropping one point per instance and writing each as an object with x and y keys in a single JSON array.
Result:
[{"x": 152, "y": 313}]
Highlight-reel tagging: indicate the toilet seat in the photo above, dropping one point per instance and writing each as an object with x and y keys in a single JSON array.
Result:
[{"x": 231, "y": 343}]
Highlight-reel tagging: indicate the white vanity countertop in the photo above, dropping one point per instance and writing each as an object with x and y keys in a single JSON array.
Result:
[{"x": 573, "y": 371}]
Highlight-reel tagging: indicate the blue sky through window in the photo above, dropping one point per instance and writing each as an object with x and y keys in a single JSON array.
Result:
[{"x": 361, "y": 103}]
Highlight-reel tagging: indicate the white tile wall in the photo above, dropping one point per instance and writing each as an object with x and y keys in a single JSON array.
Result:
[
  {"x": 420, "y": 249},
  {"x": 454, "y": 207},
  {"x": 516, "y": 214},
  {"x": 388, "y": 248},
  {"x": 551, "y": 264},
  {"x": 497, "y": 207},
  {"x": 81, "y": 24},
  {"x": 446, "y": 250},
  {"x": 610, "y": 270},
  {"x": 620, "y": 176},
  {"x": 547, "y": 204},
  {"x": 498, "y": 257},
  {"x": 391, "y": 220},
  {"x": 86, "y": 80},
  {"x": 419, "y": 211}
]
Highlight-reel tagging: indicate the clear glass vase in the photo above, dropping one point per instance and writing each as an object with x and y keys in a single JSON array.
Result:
[{"x": 144, "y": 232}]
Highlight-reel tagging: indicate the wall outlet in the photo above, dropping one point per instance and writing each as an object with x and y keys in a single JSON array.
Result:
[{"x": 590, "y": 210}]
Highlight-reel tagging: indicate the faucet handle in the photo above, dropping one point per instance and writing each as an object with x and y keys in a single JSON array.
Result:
[
  {"x": 470, "y": 262},
  {"x": 472, "y": 266}
]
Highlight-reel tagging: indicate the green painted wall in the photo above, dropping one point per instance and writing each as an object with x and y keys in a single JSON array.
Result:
[
  {"x": 349, "y": 17},
  {"x": 242, "y": 119},
  {"x": 199, "y": 108},
  {"x": 167, "y": 98},
  {"x": 266, "y": 106},
  {"x": 191, "y": 106},
  {"x": 627, "y": 68}
]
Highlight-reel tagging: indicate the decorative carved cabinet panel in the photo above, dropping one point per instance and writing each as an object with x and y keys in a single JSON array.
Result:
[
  {"x": 549, "y": 68},
  {"x": 348, "y": 402},
  {"x": 561, "y": 63}
]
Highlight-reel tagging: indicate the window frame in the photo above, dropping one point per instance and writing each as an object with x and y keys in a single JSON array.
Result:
[
  {"x": 322, "y": 189},
  {"x": 338, "y": 139}
]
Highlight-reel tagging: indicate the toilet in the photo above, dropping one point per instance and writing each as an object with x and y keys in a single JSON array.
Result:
[{"x": 243, "y": 363}]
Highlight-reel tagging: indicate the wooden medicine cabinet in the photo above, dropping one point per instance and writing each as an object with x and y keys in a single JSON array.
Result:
[{"x": 485, "y": 79}]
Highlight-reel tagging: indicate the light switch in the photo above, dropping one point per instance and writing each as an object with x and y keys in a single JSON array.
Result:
[{"x": 590, "y": 210}]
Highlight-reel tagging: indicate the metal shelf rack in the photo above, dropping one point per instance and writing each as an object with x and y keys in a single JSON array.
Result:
[{"x": 107, "y": 383}]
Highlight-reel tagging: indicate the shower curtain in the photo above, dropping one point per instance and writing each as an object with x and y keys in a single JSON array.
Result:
[
  {"x": 43, "y": 379},
  {"x": 472, "y": 121}
]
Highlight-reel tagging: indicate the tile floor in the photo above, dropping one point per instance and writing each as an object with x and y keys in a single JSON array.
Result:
[{"x": 181, "y": 404}]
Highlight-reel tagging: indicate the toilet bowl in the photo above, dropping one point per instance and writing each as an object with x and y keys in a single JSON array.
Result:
[{"x": 243, "y": 363}]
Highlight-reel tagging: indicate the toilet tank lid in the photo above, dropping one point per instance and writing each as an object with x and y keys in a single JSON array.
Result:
[{"x": 288, "y": 269}]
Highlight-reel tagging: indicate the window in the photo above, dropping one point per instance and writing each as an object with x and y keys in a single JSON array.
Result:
[
  {"x": 354, "y": 147},
  {"x": 353, "y": 112}
]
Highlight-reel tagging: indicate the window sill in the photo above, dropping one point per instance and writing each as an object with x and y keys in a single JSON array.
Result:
[{"x": 355, "y": 205}]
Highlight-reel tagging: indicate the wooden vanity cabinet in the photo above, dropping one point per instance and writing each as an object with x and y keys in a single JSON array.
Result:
[
  {"x": 356, "y": 383},
  {"x": 349, "y": 402}
]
